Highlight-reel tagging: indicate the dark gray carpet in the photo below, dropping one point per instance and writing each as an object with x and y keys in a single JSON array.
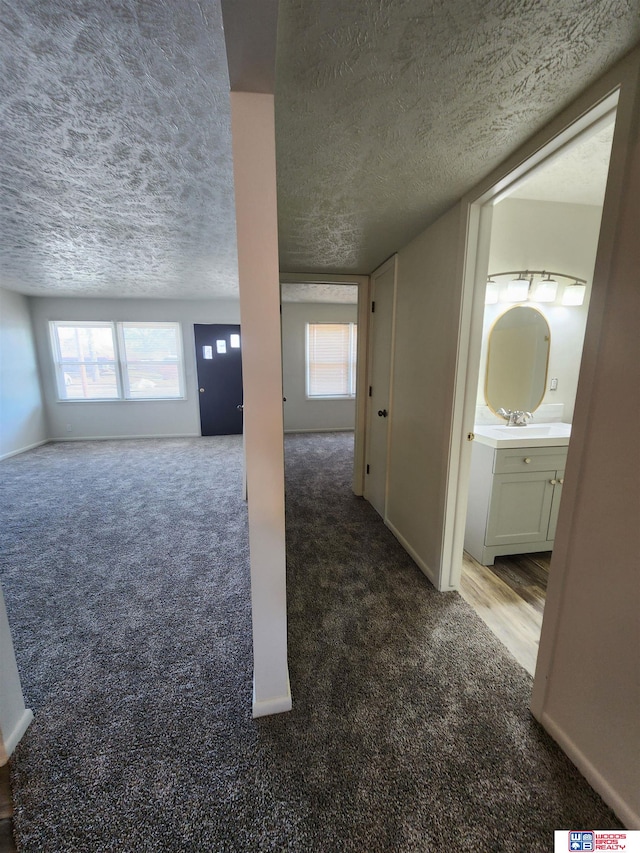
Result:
[{"x": 126, "y": 580}]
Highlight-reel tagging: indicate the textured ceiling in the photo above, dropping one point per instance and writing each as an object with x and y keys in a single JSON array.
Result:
[
  {"x": 388, "y": 112},
  {"x": 116, "y": 164},
  {"x": 115, "y": 174},
  {"x": 578, "y": 176},
  {"x": 346, "y": 294}
]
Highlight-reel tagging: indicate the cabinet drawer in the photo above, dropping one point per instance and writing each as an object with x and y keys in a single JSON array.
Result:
[{"x": 513, "y": 460}]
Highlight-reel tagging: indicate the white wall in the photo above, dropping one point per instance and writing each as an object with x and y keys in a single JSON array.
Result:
[
  {"x": 590, "y": 639},
  {"x": 299, "y": 412},
  {"x": 254, "y": 170},
  {"x": 22, "y": 425},
  {"x": 423, "y": 377},
  {"x": 125, "y": 418},
  {"x": 14, "y": 717},
  {"x": 555, "y": 236},
  {"x": 22, "y": 417}
]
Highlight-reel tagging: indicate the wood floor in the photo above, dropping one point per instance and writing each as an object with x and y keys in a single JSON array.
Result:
[
  {"x": 509, "y": 597},
  {"x": 7, "y": 844}
]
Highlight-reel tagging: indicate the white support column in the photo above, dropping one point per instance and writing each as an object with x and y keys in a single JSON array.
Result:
[
  {"x": 253, "y": 141},
  {"x": 14, "y": 717}
]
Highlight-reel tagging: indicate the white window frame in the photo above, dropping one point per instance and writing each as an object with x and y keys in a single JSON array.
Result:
[
  {"x": 352, "y": 362},
  {"x": 121, "y": 365},
  {"x": 125, "y": 364}
]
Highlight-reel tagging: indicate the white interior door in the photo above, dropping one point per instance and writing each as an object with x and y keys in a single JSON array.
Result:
[{"x": 383, "y": 290}]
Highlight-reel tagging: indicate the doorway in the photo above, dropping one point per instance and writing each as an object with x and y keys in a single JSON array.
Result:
[
  {"x": 219, "y": 368},
  {"x": 543, "y": 233},
  {"x": 349, "y": 293}
]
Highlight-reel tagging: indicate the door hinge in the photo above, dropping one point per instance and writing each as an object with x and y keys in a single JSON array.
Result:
[
  {"x": 367, "y": 469},
  {"x": 373, "y": 307},
  {"x": 371, "y": 390}
]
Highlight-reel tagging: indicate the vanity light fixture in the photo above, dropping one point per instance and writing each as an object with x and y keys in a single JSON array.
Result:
[
  {"x": 518, "y": 289},
  {"x": 536, "y": 286},
  {"x": 545, "y": 290},
  {"x": 574, "y": 294},
  {"x": 491, "y": 293}
]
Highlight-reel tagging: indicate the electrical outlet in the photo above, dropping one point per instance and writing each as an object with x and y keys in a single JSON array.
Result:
[{"x": 69, "y": 428}]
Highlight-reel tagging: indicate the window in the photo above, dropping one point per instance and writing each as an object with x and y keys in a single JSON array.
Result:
[
  {"x": 117, "y": 361},
  {"x": 331, "y": 359}
]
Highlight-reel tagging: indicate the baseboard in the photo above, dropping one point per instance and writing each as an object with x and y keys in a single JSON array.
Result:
[
  {"x": 275, "y": 705},
  {"x": 624, "y": 810},
  {"x": 424, "y": 568},
  {"x": 321, "y": 429},
  {"x": 123, "y": 437},
  {"x": 24, "y": 449},
  {"x": 14, "y": 737}
]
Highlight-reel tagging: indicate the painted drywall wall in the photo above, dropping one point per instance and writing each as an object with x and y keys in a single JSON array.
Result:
[
  {"x": 125, "y": 418},
  {"x": 423, "y": 376},
  {"x": 22, "y": 416},
  {"x": 591, "y": 632},
  {"x": 546, "y": 235},
  {"x": 14, "y": 717},
  {"x": 301, "y": 413},
  {"x": 254, "y": 166}
]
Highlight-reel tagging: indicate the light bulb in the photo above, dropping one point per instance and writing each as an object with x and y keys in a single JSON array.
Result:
[
  {"x": 574, "y": 294},
  {"x": 545, "y": 290},
  {"x": 517, "y": 290},
  {"x": 491, "y": 293}
]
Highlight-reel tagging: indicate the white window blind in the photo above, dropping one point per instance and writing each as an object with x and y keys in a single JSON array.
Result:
[
  {"x": 331, "y": 359},
  {"x": 117, "y": 361}
]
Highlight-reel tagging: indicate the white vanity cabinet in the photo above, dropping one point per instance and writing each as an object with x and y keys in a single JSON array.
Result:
[{"x": 514, "y": 495}]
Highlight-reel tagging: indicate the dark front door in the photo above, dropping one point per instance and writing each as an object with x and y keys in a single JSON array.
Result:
[{"x": 219, "y": 364}]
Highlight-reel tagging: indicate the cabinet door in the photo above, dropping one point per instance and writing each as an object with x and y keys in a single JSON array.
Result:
[
  {"x": 520, "y": 507},
  {"x": 555, "y": 505}
]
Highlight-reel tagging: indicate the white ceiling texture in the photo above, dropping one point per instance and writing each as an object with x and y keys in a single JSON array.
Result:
[
  {"x": 577, "y": 176},
  {"x": 115, "y": 173}
]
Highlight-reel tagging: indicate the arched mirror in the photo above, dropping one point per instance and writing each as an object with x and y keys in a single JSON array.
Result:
[{"x": 517, "y": 360}]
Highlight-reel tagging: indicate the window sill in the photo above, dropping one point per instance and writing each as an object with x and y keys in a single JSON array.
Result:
[
  {"x": 345, "y": 399},
  {"x": 127, "y": 400}
]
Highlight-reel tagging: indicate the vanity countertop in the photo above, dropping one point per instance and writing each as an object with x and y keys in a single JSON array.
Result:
[{"x": 531, "y": 435}]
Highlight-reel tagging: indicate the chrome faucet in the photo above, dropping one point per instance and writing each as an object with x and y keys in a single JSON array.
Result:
[{"x": 516, "y": 418}]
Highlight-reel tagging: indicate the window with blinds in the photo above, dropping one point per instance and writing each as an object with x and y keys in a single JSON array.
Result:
[{"x": 331, "y": 360}]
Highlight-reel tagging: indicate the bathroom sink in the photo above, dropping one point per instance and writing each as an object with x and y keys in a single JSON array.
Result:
[
  {"x": 540, "y": 435},
  {"x": 537, "y": 431}
]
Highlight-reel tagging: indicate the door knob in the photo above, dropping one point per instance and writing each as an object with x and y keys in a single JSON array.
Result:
[
  {"x": 382, "y": 413},
  {"x": 553, "y": 482},
  {"x": 202, "y": 390},
  {"x": 240, "y": 407}
]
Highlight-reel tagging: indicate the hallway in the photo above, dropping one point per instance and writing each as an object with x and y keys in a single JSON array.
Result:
[{"x": 410, "y": 729}]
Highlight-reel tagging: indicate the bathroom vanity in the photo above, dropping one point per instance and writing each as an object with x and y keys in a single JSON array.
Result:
[{"x": 515, "y": 488}]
